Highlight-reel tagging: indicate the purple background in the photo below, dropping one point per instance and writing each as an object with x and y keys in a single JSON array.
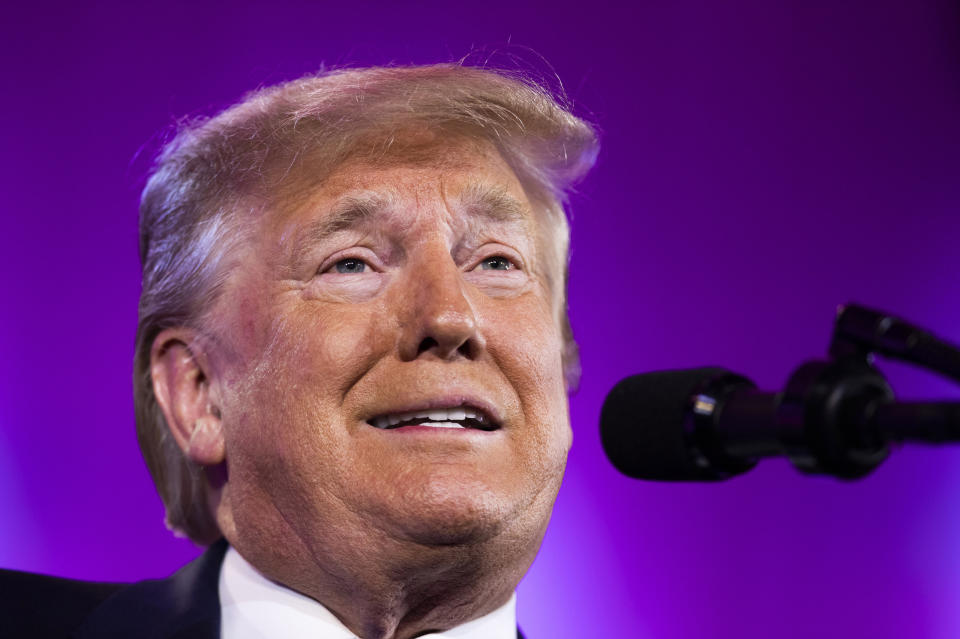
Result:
[{"x": 761, "y": 163}]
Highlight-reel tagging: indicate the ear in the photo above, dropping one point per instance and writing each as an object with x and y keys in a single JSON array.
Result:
[{"x": 184, "y": 391}]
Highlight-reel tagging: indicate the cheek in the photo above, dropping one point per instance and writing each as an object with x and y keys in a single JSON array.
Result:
[
  {"x": 316, "y": 349},
  {"x": 288, "y": 395},
  {"x": 529, "y": 346},
  {"x": 525, "y": 335}
]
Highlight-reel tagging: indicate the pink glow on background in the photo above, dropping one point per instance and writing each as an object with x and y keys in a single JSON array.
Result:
[{"x": 761, "y": 163}]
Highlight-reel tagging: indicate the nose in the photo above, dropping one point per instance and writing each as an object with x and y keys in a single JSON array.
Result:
[{"x": 439, "y": 319}]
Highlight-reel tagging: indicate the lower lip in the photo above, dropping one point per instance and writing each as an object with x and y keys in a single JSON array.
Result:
[{"x": 433, "y": 430}]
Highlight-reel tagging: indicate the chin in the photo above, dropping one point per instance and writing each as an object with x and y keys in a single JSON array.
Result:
[{"x": 445, "y": 511}]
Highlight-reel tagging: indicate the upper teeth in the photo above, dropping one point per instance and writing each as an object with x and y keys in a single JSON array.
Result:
[{"x": 437, "y": 415}]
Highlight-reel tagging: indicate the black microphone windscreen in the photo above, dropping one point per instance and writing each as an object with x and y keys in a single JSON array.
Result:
[{"x": 642, "y": 424}]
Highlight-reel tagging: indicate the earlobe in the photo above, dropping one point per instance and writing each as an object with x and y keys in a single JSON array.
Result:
[{"x": 184, "y": 391}]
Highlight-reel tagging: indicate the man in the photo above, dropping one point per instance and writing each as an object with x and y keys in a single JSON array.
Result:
[{"x": 353, "y": 357}]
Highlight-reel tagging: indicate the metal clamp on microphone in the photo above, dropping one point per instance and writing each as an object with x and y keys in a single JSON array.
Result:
[{"x": 835, "y": 417}]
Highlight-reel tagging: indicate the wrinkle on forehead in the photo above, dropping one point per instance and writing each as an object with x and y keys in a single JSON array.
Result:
[{"x": 478, "y": 202}]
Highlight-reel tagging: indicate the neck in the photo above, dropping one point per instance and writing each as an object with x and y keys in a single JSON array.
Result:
[
  {"x": 401, "y": 589},
  {"x": 447, "y": 592}
]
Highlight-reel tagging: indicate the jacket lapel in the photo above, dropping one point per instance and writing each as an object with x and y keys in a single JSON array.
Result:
[{"x": 185, "y": 606}]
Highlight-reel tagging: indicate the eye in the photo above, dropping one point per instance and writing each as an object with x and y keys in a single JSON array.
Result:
[
  {"x": 496, "y": 263},
  {"x": 350, "y": 265}
]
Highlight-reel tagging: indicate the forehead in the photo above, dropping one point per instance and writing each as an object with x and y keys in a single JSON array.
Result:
[{"x": 420, "y": 168}]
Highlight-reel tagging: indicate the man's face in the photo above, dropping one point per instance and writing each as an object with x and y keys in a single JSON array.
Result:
[{"x": 388, "y": 355}]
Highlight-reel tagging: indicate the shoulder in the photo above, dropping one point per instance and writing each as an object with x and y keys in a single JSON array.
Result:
[
  {"x": 40, "y": 606},
  {"x": 185, "y": 605}
]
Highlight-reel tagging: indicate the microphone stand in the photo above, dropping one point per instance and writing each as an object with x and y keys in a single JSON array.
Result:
[{"x": 838, "y": 417}]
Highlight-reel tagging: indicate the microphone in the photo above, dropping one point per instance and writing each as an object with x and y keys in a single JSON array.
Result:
[{"x": 833, "y": 418}]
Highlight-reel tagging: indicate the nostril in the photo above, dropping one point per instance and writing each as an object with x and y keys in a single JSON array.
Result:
[
  {"x": 427, "y": 344},
  {"x": 430, "y": 344}
]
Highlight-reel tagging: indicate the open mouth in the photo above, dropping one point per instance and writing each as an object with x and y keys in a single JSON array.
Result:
[{"x": 458, "y": 417}]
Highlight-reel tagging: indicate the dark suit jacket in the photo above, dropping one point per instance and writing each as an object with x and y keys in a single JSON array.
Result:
[{"x": 184, "y": 606}]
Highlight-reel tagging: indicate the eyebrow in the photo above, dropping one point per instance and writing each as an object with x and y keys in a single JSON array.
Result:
[
  {"x": 480, "y": 201},
  {"x": 493, "y": 203},
  {"x": 348, "y": 213}
]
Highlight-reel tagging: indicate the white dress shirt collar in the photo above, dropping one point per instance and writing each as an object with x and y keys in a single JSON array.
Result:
[{"x": 253, "y": 607}]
